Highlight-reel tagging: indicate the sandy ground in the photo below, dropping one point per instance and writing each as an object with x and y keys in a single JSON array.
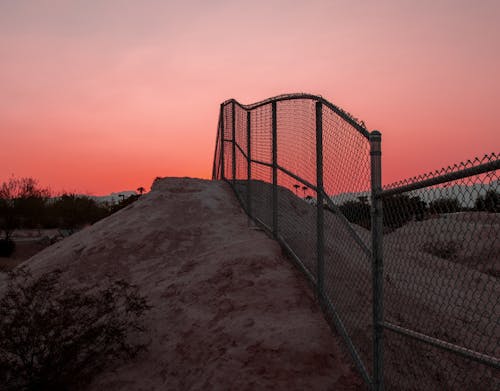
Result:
[
  {"x": 456, "y": 300},
  {"x": 229, "y": 311}
]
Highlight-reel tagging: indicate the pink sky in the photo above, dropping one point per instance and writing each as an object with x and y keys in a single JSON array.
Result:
[{"x": 101, "y": 96}]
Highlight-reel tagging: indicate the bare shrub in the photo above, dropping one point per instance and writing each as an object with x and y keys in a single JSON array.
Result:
[{"x": 55, "y": 337}]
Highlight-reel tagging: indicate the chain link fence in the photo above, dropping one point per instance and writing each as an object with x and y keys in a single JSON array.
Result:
[
  {"x": 441, "y": 275},
  {"x": 310, "y": 174}
]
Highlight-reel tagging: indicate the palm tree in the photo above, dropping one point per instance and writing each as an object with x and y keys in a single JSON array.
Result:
[
  {"x": 304, "y": 188},
  {"x": 141, "y": 190},
  {"x": 296, "y": 188}
]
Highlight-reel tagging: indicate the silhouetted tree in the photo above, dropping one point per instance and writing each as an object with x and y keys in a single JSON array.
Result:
[
  {"x": 22, "y": 203},
  {"x": 304, "y": 189},
  {"x": 141, "y": 190},
  {"x": 73, "y": 211},
  {"x": 297, "y": 187},
  {"x": 445, "y": 205},
  {"x": 490, "y": 202},
  {"x": 419, "y": 208},
  {"x": 401, "y": 208},
  {"x": 357, "y": 212}
]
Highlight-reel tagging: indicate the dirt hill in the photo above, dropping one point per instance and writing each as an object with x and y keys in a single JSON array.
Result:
[{"x": 229, "y": 310}]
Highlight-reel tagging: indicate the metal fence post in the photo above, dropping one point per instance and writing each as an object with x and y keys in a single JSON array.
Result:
[
  {"x": 249, "y": 166},
  {"x": 319, "y": 204},
  {"x": 216, "y": 161},
  {"x": 233, "y": 126},
  {"x": 275, "y": 170},
  {"x": 377, "y": 259},
  {"x": 222, "y": 142}
]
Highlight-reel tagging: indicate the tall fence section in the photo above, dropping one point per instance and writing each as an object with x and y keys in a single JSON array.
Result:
[{"x": 408, "y": 273}]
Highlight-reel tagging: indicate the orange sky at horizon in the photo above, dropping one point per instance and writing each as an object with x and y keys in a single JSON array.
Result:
[{"x": 103, "y": 96}]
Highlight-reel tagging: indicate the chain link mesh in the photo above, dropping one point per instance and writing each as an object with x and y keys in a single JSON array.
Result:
[
  {"x": 346, "y": 170},
  {"x": 348, "y": 278},
  {"x": 441, "y": 247},
  {"x": 228, "y": 139},
  {"x": 296, "y": 152},
  {"x": 441, "y": 271},
  {"x": 297, "y": 221}
]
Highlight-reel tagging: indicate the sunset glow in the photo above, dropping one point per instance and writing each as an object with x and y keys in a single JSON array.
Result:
[{"x": 103, "y": 96}]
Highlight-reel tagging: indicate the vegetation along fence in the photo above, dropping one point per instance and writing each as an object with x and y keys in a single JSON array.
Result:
[{"x": 408, "y": 273}]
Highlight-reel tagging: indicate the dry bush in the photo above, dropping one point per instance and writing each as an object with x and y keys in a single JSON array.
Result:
[{"x": 55, "y": 337}]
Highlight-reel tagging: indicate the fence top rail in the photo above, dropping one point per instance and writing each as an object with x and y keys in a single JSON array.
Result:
[
  {"x": 466, "y": 169},
  {"x": 284, "y": 97}
]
